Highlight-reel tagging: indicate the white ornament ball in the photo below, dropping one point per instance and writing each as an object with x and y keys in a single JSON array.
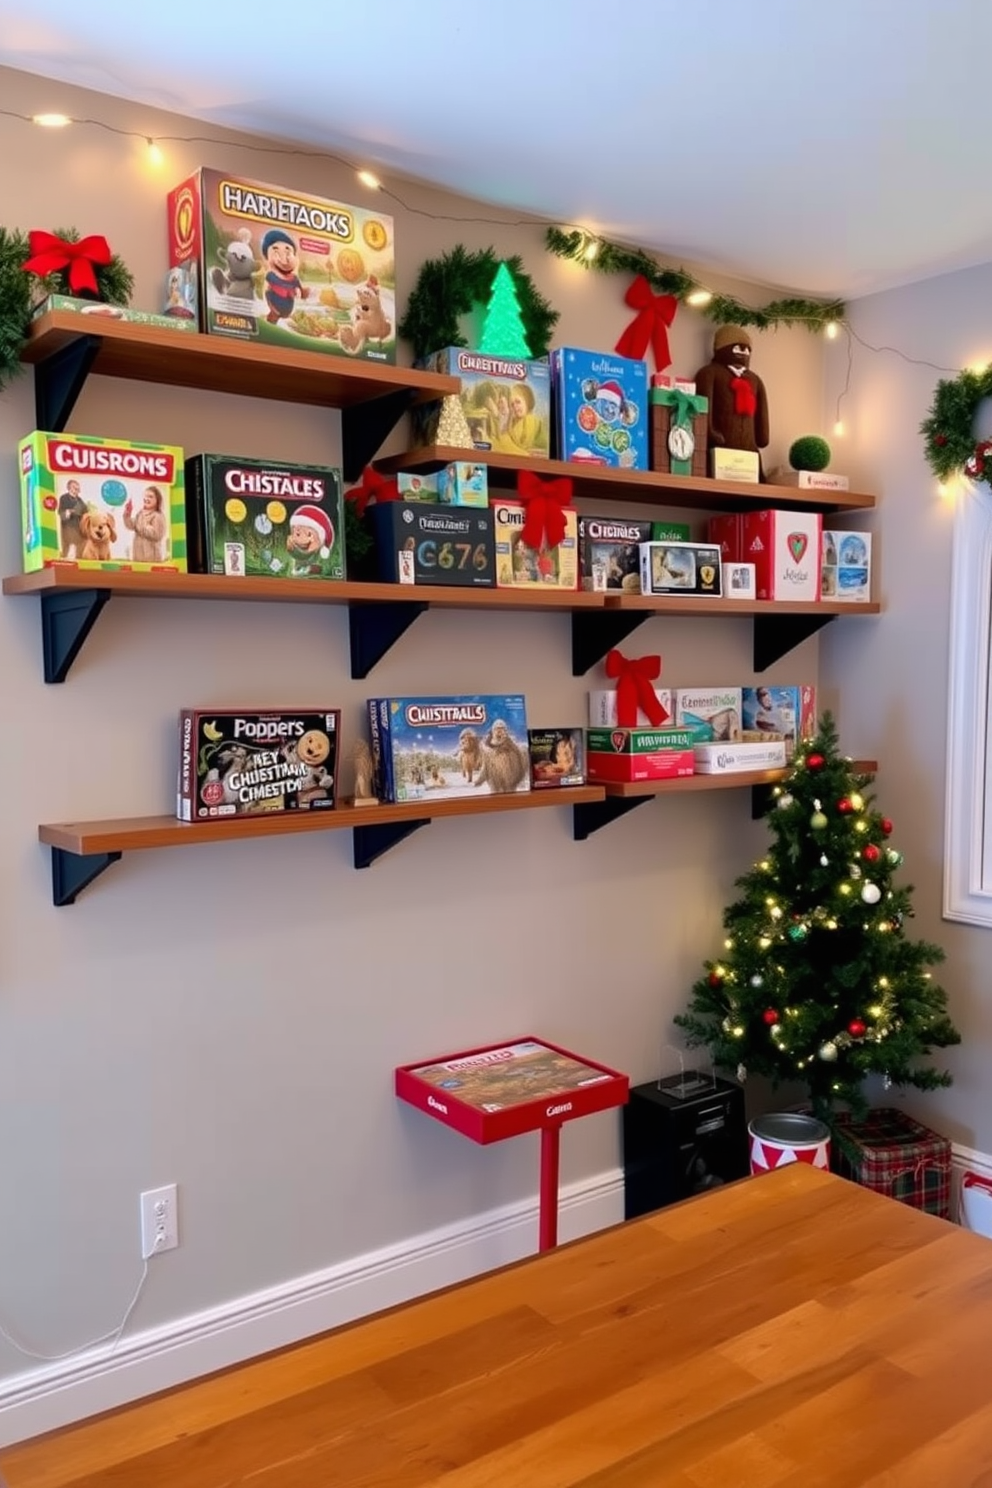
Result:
[
  {"x": 871, "y": 893},
  {"x": 824, "y": 860},
  {"x": 757, "y": 981},
  {"x": 741, "y": 1073},
  {"x": 828, "y": 1052},
  {"x": 784, "y": 801}
]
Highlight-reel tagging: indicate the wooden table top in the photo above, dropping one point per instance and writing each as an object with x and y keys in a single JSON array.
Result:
[{"x": 789, "y": 1331}]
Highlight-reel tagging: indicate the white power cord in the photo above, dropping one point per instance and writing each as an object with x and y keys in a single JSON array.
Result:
[{"x": 114, "y": 1334}]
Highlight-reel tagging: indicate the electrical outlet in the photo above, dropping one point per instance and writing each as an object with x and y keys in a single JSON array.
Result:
[{"x": 159, "y": 1221}]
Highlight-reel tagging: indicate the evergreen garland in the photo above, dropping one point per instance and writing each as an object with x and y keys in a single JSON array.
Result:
[
  {"x": 948, "y": 429},
  {"x": 449, "y": 287},
  {"x": 818, "y": 982},
  {"x": 21, "y": 292},
  {"x": 611, "y": 258}
]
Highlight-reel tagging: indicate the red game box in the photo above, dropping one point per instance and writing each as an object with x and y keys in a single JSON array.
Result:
[{"x": 503, "y": 1090}]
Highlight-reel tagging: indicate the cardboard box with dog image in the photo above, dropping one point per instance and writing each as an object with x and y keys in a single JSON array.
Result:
[{"x": 101, "y": 503}]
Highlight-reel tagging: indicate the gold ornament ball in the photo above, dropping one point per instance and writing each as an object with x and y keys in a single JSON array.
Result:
[{"x": 818, "y": 821}]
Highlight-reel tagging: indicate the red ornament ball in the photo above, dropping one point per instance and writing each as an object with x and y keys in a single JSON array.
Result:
[
  {"x": 815, "y": 762},
  {"x": 940, "y": 440},
  {"x": 856, "y": 1028},
  {"x": 872, "y": 853},
  {"x": 770, "y": 1016},
  {"x": 715, "y": 979},
  {"x": 845, "y": 807},
  {"x": 886, "y": 826}
]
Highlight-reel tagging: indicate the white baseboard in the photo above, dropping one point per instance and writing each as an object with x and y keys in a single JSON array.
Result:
[{"x": 43, "y": 1398}]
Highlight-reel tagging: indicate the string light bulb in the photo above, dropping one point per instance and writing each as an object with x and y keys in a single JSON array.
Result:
[
  {"x": 699, "y": 297},
  {"x": 839, "y": 428},
  {"x": 369, "y": 179},
  {"x": 51, "y": 121},
  {"x": 155, "y": 156},
  {"x": 590, "y": 250},
  {"x": 830, "y": 330}
]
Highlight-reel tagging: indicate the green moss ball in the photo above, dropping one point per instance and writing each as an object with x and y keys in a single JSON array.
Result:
[{"x": 810, "y": 453}]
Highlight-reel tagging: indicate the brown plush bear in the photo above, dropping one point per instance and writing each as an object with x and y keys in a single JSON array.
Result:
[{"x": 738, "y": 402}]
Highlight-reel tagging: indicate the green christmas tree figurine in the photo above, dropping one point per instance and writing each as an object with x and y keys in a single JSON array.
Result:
[
  {"x": 503, "y": 331},
  {"x": 818, "y": 982}
]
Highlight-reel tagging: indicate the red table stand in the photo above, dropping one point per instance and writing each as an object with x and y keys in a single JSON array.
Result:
[{"x": 504, "y": 1090}]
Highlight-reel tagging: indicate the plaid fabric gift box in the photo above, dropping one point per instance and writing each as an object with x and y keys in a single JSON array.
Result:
[{"x": 894, "y": 1155}]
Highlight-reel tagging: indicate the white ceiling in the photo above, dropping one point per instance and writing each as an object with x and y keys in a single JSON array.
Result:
[{"x": 831, "y": 146}]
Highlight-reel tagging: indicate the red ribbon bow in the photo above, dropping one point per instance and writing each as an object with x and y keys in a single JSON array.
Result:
[
  {"x": 545, "y": 500},
  {"x": 635, "y": 676},
  {"x": 372, "y": 484},
  {"x": 745, "y": 398},
  {"x": 655, "y": 313},
  {"x": 49, "y": 254}
]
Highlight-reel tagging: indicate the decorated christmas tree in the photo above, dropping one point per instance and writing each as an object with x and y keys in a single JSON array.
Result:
[
  {"x": 452, "y": 425},
  {"x": 503, "y": 331},
  {"x": 818, "y": 982}
]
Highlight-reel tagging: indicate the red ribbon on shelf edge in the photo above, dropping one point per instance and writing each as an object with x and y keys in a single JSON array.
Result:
[
  {"x": 49, "y": 254},
  {"x": 373, "y": 484},
  {"x": 745, "y": 398},
  {"x": 634, "y": 678},
  {"x": 545, "y": 500},
  {"x": 655, "y": 313}
]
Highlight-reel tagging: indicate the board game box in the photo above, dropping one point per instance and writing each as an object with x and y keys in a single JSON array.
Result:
[
  {"x": 255, "y": 518},
  {"x": 503, "y": 1090},
  {"x": 622, "y": 755},
  {"x": 601, "y": 404},
  {"x": 436, "y": 748},
  {"x": 609, "y": 554},
  {"x": 103, "y": 311},
  {"x": 420, "y": 542},
  {"x": 556, "y": 757},
  {"x": 286, "y": 269},
  {"x": 247, "y": 763},
  {"x": 101, "y": 503},
  {"x": 521, "y": 567},
  {"x": 680, "y": 568},
  {"x": 506, "y": 401},
  {"x": 786, "y": 713}
]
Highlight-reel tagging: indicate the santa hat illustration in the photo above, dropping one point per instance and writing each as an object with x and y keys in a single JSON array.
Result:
[
  {"x": 611, "y": 392},
  {"x": 318, "y": 521}
]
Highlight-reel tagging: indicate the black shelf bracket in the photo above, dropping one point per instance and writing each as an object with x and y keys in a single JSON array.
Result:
[
  {"x": 375, "y": 628},
  {"x": 776, "y": 635},
  {"x": 372, "y": 842},
  {"x": 67, "y": 617},
  {"x": 590, "y": 816},
  {"x": 59, "y": 380},
  {"x": 594, "y": 632},
  {"x": 72, "y": 873},
  {"x": 366, "y": 426}
]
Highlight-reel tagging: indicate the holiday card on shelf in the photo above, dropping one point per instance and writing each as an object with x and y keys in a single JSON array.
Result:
[
  {"x": 437, "y": 748},
  {"x": 601, "y": 408},
  {"x": 846, "y": 569},
  {"x": 284, "y": 269},
  {"x": 101, "y": 503},
  {"x": 247, "y": 764},
  {"x": 263, "y": 519},
  {"x": 506, "y": 402}
]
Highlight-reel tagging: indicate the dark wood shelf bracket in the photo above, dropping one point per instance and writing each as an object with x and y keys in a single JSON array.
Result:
[
  {"x": 590, "y": 816},
  {"x": 59, "y": 380},
  {"x": 594, "y": 632},
  {"x": 67, "y": 617},
  {"x": 375, "y": 628},
  {"x": 373, "y": 841},
  {"x": 366, "y": 426},
  {"x": 776, "y": 635},
  {"x": 72, "y": 873}
]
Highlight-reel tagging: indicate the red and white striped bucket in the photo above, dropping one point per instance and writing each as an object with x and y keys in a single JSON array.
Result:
[{"x": 788, "y": 1137}]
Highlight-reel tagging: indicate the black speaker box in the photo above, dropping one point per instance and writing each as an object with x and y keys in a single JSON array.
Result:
[{"x": 681, "y": 1136}]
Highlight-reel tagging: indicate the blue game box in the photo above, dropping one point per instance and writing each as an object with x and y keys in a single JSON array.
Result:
[
  {"x": 436, "y": 748},
  {"x": 601, "y": 408}
]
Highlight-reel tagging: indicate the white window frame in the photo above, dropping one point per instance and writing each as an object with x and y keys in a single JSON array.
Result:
[{"x": 968, "y": 803}]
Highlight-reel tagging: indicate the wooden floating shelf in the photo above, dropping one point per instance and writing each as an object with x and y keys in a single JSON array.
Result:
[
  {"x": 673, "y": 604},
  {"x": 219, "y": 364},
  {"x": 604, "y": 483},
  {"x": 293, "y": 591},
  {"x": 135, "y": 834}
]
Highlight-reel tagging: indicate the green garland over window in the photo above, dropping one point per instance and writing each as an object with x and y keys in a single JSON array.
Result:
[
  {"x": 20, "y": 292},
  {"x": 451, "y": 286},
  {"x": 949, "y": 432},
  {"x": 609, "y": 258}
]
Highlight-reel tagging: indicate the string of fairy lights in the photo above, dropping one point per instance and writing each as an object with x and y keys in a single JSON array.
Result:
[{"x": 589, "y": 245}]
